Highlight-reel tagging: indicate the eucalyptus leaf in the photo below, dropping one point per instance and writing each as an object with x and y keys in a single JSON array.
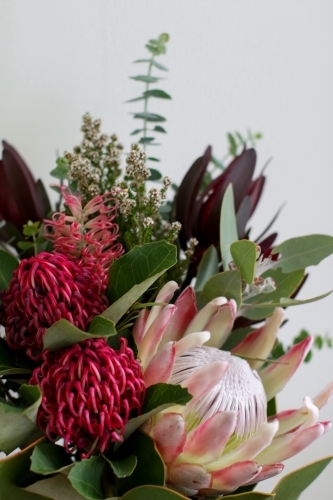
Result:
[
  {"x": 228, "y": 226},
  {"x": 86, "y": 477},
  {"x": 149, "y": 492},
  {"x": 150, "y": 467},
  {"x": 146, "y": 140},
  {"x": 124, "y": 467},
  {"x": 232, "y": 144},
  {"x": 57, "y": 487},
  {"x": 136, "y": 131},
  {"x": 139, "y": 264},
  {"x": 304, "y": 251},
  {"x": 101, "y": 326},
  {"x": 157, "y": 93},
  {"x": 145, "y": 78},
  {"x": 244, "y": 254},
  {"x": 159, "y": 65},
  {"x": 149, "y": 117},
  {"x": 61, "y": 170},
  {"x": 63, "y": 334},
  {"x": 251, "y": 495},
  {"x": 227, "y": 284},
  {"x": 18, "y": 425},
  {"x": 153, "y": 159},
  {"x": 158, "y": 128},
  {"x": 8, "y": 264},
  {"x": 141, "y": 98},
  {"x": 160, "y": 394},
  {"x": 209, "y": 265},
  {"x": 292, "y": 485},
  {"x": 48, "y": 458},
  {"x": 155, "y": 175},
  {"x": 13, "y": 469}
]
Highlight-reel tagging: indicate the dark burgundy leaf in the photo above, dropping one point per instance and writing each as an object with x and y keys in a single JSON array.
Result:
[
  {"x": 255, "y": 191},
  {"x": 266, "y": 245},
  {"x": 43, "y": 198},
  {"x": 270, "y": 224}
]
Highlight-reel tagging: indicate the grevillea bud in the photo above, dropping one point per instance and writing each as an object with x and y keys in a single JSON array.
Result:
[
  {"x": 44, "y": 289},
  {"x": 89, "y": 392}
]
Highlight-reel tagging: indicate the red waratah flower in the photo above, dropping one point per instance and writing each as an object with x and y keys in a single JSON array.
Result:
[
  {"x": 88, "y": 235},
  {"x": 44, "y": 289},
  {"x": 88, "y": 393}
]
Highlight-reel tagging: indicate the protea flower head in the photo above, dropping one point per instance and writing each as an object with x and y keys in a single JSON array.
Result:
[
  {"x": 89, "y": 392},
  {"x": 21, "y": 197},
  {"x": 221, "y": 439},
  {"x": 44, "y": 289},
  {"x": 88, "y": 235},
  {"x": 198, "y": 210}
]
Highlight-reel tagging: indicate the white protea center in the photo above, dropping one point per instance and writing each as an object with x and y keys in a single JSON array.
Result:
[{"x": 240, "y": 389}]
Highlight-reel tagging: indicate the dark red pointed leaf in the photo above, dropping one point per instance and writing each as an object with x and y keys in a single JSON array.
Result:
[
  {"x": 266, "y": 245},
  {"x": 187, "y": 194},
  {"x": 255, "y": 190},
  {"x": 20, "y": 185},
  {"x": 8, "y": 208},
  {"x": 43, "y": 198}
]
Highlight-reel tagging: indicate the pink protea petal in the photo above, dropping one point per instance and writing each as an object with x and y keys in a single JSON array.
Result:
[
  {"x": 289, "y": 420},
  {"x": 154, "y": 334},
  {"x": 139, "y": 328},
  {"x": 220, "y": 325},
  {"x": 169, "y": 435},
  {"x": 186, "y": 311},
  {"x": 288, "y": 445},
  {"x": 205, "y": 314},
  {"x": 249, "y": 449},
  {"x": 164, "y": 295},
  {"x": 206, "y": 442},
  {"x": 267, "y": 471},
  {"x": 203, "y": 380},
  {"x": 275, "y": 376},
  {"x": 259, "y": 343},
  {"x": 230, "y": 478},
  {"x": 160, "y": 367},
  {"x": 324, "y": 396},
  {"x": 192, "y": 476},
  {"x": 196, "y": 339}
]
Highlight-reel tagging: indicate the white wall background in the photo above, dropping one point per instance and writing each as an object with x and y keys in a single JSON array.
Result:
[{"x": 233, "y": 64}]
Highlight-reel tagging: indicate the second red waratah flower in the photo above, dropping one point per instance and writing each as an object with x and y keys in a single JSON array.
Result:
[
  {"x": 89, "y": 392},
  {"x": 45, "y": 289}
]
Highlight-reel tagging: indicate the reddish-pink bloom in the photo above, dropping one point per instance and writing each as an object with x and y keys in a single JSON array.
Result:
[
  {"x": 44, "y": 289},
  {"x": 88, "y": 235},
  {"x": 88, "y": 393}
]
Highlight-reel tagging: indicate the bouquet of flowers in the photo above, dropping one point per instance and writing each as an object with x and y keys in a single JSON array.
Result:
[{"x": 139, "y": 356}]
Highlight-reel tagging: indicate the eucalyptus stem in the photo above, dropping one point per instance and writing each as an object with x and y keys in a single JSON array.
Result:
[{"x": 146, "y": 102}]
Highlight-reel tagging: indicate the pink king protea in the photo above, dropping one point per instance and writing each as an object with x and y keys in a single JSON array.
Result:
[
  {"x": 88, "y": 393},
  {"x": 44, "y": 289}
]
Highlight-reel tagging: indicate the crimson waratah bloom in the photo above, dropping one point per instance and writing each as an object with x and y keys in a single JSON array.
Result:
[
  {"x": 88, "y": 394},
  {"x": 221, "y": 439},
  {"x": 44, "y": 289},
  {"x": 88, "y": 235}
]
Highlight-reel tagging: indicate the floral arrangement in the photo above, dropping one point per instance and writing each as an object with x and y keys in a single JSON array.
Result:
[{"x": 139, "y": 356}]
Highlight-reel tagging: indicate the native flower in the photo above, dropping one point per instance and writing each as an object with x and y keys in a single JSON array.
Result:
[
  {"x": 89, "y": 392},
  {"x": 221, "y": 439},
  {"x": 45, "y": 289},
  {"x": 88, "y": 235}
]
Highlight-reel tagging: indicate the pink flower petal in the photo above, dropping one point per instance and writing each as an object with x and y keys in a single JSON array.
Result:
[
  {"x": 249, "y": 449},
  {"x": 267, "y": 471},
  {"x": 139, "y": 328},
  {"x": 192, "y": 476},
  {"x": 169, "y": 435},
  {"x": 154, "y": 334},
  {"x": 259, "y": 343},
  {"x": 164, "y": 295},
  {"x": 230, "y": 478},
  {"x": 207, "y": 441},
  {"x": 203, "y": 380},
  {"x": 186, "y": 311},
  {"x": 275, "y": 376},
  {"x": 288, "y": 445},
  {"x": 220, "y": 325},
  {"x": 290, "y": 420},
  {"x": 324, "y": 396},
  {"x": 205, "y": 314},
  {"x": 196, "y": 339},
  {"x": 160, "y": 367}
]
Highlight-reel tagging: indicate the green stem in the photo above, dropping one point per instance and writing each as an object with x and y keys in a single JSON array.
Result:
[{"x": 146, "y": 102}]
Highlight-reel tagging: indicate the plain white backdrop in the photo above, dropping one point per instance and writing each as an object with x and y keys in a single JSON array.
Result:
[{"x": 233, "y": 65}]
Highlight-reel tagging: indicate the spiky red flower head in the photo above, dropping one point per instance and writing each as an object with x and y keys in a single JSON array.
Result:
[
  {"x": 44, "y": 289},
  {"x": 88, "y": 393}
]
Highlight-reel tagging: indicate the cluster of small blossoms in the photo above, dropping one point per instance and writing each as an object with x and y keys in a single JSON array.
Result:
[
  {"x": 140, "y": 209},
  {"x": 95, "y": 164}
]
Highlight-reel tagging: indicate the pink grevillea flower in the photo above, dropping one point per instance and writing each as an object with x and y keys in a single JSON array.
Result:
[
  {"x": 88, "y": 235},
  {"x": 221, "y": 439},
  {"x": 43, "y": 290},
  {"x": 89, "y": 392}
]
